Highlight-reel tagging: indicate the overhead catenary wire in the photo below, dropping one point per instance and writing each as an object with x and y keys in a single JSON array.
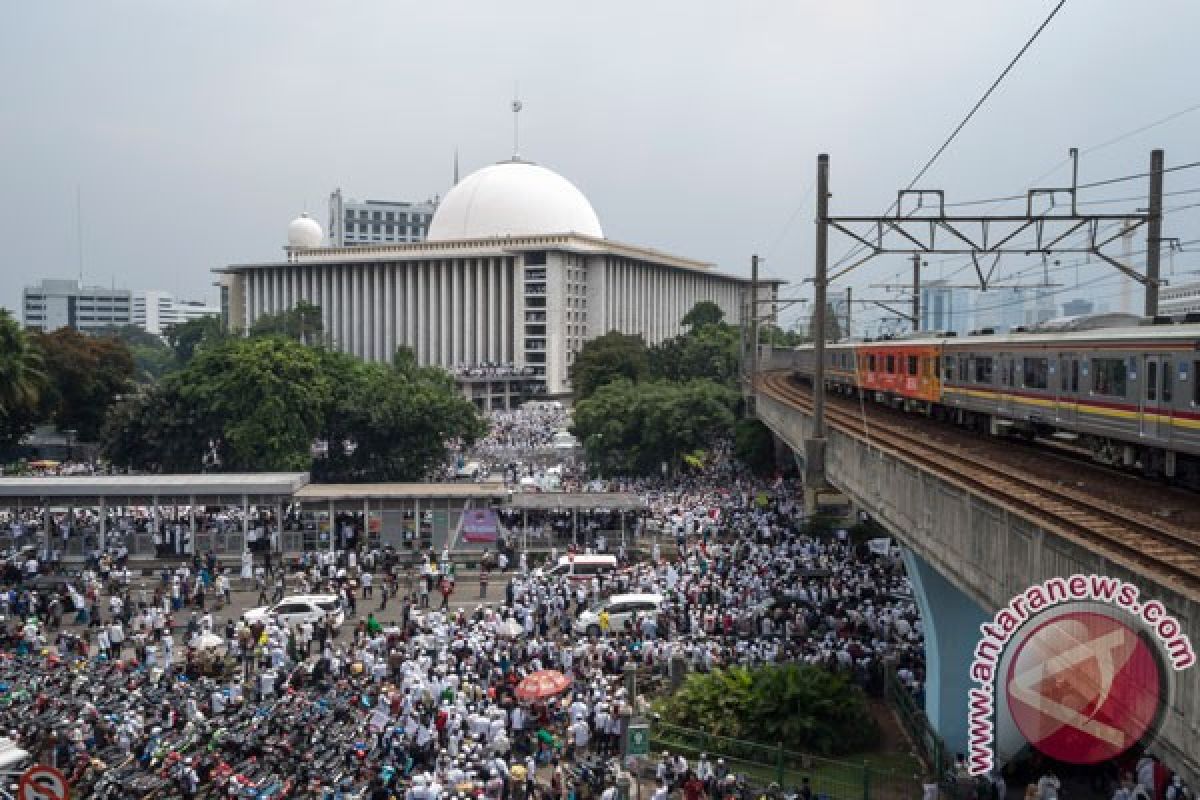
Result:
[{"x": 966, "y": 119}]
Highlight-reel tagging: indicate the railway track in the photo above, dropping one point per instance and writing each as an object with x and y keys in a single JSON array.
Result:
[{"x": 1139, "y": 541}]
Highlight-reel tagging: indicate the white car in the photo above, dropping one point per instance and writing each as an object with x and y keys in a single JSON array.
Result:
[
  {"x": 620, "y": 608},
  {"x": 299, "y": 608}
]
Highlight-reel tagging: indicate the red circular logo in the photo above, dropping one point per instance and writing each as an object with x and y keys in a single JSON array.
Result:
[{"x": 1084, "y": 687}]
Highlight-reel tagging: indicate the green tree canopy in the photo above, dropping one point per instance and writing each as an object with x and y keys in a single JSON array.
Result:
[
  {"x": 152, "y": 357},
  {"x": 85, "y": 376},
  {"x": 607, "y": 358},
  {"x": 799, "y": 706},
  {"x": 185, "y": 337},
  {"x": 260, "y": 403},
  {"x": 703, "y": 314},
  {"x": 302, "y": 323},
  {"x": 22, "y": 381},
  {"x": 634, "y": 428}
]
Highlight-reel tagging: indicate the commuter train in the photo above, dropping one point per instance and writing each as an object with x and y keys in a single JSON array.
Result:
[{"x": 1127, "y": 390}]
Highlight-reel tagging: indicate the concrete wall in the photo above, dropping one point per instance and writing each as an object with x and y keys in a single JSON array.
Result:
[{"x": 988, "y": 555}]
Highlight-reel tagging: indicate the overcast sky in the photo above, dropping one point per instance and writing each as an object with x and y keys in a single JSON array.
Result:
[{"x": 195, "y": 131}]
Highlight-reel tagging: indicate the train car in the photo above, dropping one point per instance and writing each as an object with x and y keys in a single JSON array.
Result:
[
  {"x": 1129, "y": 394},
  {"x": 902, "y": 372}
]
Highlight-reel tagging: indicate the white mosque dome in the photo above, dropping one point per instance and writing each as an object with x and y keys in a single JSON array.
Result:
[
  {"x": 513, "y": 198},
  {"x": 304, "y": 231}
]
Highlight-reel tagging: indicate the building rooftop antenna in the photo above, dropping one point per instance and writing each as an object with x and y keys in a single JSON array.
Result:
[{"x": 516, "y": 109}]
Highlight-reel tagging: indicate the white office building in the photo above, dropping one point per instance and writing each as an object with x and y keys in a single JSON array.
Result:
[
  {"x": 515, "y": 271},
  {"x": 1179, "y": 299},
  {"x": 55, "y": 304},
  {"x": 155, "y": 311},
  {"x": 354, "y": 224}
]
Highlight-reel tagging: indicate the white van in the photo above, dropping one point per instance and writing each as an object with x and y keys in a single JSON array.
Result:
[{"x": 583, "y": 567}]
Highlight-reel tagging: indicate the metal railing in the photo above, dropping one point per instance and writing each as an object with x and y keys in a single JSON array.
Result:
[
  {"x": 763, "y": 764},
  {"x": 930, "y": 747}
]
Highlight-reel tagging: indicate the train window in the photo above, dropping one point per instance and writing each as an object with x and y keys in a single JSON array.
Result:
[
  {"x": 871, "y": 362},
  {"x": 1167, "y": 379},
  {"x": 891, "y": 365},
  {"x": 983, "y": 369},
  {"x": 1109, "y": 376},
  {"x": 912, "y": 365},
  {"x": 1183, "y": 376},
  {"x": 1036, "y": 373},
  {"x": 1074, "y": 375},
  {"x": 962, "y": 369},
  {"x": 948, "y": 367},
  {"x": 1151, "y": 380}
]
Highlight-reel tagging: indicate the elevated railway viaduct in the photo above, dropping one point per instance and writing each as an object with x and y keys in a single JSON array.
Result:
[{"x": 969, "y": 553}]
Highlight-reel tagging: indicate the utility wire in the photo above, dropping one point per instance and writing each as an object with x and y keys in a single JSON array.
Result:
[{"x": 978, "y": 104}]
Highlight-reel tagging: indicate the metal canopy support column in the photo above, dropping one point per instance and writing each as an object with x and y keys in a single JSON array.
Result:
[
  {"x": 102, "y": 528},
  {"x": 245, "y": 524},
  {"x": 47, "y": 521},
  {"x": 332, "y": 528},
  {"x": 192, "y": 520},
  {"x": 155, "y": 525}
]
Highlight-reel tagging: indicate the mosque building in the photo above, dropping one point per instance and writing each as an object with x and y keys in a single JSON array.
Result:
[{"x": 514, "y": 275}]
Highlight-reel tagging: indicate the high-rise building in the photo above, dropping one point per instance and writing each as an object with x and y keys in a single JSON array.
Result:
[
  {"x": 155, "y": 311},
  {"x": 514, "y": 276},
  {"x": 354, "y": 224},
  {"x": 944, "y": 307},
  {"x": 55, "y": 304}
]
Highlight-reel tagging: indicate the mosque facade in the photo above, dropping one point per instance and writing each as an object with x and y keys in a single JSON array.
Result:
[{"x": 514, "y": 276}]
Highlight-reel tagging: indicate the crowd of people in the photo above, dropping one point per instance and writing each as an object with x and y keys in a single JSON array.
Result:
[{"x": 410, "y": 692}]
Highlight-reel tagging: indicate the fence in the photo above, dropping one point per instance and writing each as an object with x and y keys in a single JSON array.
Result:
[
  {"x": 763, "y": 764},
  {"x": 930, "y": 746}
]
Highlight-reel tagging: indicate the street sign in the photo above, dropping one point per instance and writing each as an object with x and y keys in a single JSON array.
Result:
[
  {"x": 43, "y": 782},
  {"x": 638, "y": 743}
]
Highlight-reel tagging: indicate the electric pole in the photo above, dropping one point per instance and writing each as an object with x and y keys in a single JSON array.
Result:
[
  {"x": 753, "y": 318},
  {"x": 1154, "y": 233},
  {"x": 849, "y": 305},
  {"x": 916, "y": 300},
  {"x": 814, "y": 448}
]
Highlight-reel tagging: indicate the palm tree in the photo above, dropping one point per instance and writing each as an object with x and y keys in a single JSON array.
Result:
[{"x": 21, "y": 375}]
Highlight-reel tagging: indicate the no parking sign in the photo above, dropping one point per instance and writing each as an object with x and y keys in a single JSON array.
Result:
[{"x": 42, "y": 782}]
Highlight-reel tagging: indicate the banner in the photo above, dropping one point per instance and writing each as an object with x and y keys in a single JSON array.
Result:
[
  {"x": 479, "y": 525},
  {"x": 880, "y": 547}
]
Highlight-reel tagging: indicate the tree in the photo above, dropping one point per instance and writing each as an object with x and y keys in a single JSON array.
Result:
[
  {"x": 703, "y": 314},
  {"x": 635, "y": 428},
  {"x": 391, "y": 423},
  {"x": 22, "y": 381},
  {"x": 185, "y": 337},
  {"x": 152, "y": 357},
  {"x": 754, "y": 446},
  {"x": 708, "y": 352},
  {"x": 85, "y": 376},
  {"x": 798, "y": 706},
  {"x": 302, "y": 323},
  {"x": 260, "y": 403},
  {"x": 606, "y": 358}
]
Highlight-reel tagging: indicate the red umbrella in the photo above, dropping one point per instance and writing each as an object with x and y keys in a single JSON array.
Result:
[{"x": 542, "y": 684}]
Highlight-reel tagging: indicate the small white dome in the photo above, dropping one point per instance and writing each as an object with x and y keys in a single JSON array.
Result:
[
  {"x": 512, "y": 198},
  {"x": 304, "y": 231}
]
